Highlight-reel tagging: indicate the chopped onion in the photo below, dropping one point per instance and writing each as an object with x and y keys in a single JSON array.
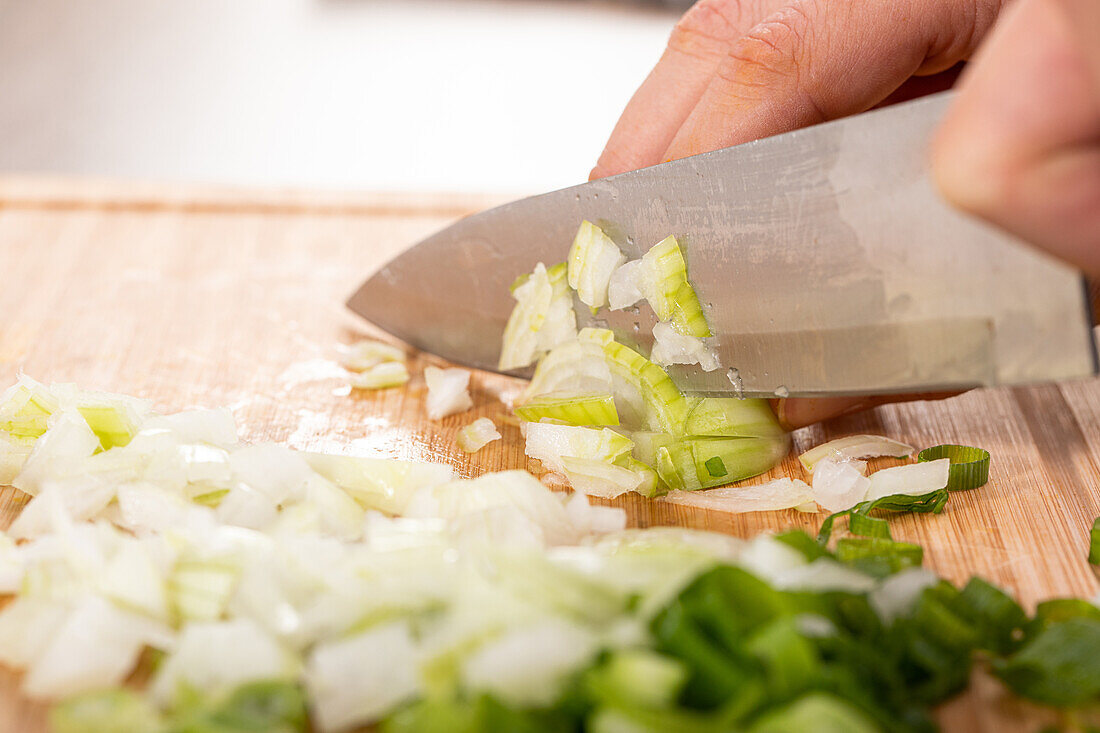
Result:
[
  {"x": 913, "y": 479},
  {"x": 839, "y": 485},
  {"x": 477, "y": 435},
  {"x": 672, "y": 347},
  {"x": 542, "y": 318},
  {"x": 551, "y": 443},
  {"x": 898, "y": 593},
  {"x": 855, "y": 447},
  {"x": 381, "y": 376},
  {"x": 366, "y": 354},
  {"x": 782, "y": 493},
  {"x": 598, "y": 478},
  {"x": 625, "y": 286},
  {"x": 447, "y": 391},
  {"x": 356, "y": 680},
  {"x": 592, "y": 259}
]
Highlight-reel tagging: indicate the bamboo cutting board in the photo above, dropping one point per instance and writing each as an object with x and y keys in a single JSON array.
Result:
[{"x": 212, "y": 297}]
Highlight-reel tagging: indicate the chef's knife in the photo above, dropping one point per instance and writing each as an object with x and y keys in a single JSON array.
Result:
[{"x": 825, "y": 261}]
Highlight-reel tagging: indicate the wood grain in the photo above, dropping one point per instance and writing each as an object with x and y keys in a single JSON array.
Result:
[{"x": 196, "y": 297}]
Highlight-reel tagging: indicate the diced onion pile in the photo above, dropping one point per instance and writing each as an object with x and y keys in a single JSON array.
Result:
[{"x": 587, "y": 385}]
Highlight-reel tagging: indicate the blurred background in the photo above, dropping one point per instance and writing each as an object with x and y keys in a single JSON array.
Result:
[{"x": 501, "y": 96}]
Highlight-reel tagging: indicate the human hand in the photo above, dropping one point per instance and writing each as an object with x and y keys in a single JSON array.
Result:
[
  {"x": 738, "y": 70},
  {"x": 1020, "y": 145}
]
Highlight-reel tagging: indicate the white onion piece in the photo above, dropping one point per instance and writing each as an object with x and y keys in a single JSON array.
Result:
[
  {"x": 381, "y": 376},
  {"x": 838, "y": 485},
  {"x": 527, "y": 666},
  {"x": 447, "y": 391},
  {"x": 13, "y": 455},
  {"x": 897, "y": 594},
  {"x": 357, "y": 680},
  {"x": 596, "y": 519},
  {"x": 272, "y": 470},
  {"x": 625, "y": 287},
  {"x": 27, "y": 626},
  {"x": 96, "y": 647},
  {"x": 767, "y": 558},
  {"x": 672, "y": 347},
  {"x": 598, "y": 478},
  {"x": 477, "y": 435},
  {"x": 913, "y": 479},
  {"x": 592, "y": 259},
  {"x": 217, "y": 656},
  {"x": 855, "y": 446},
  {"x": 216, "y": 427},
  {"x": 550, "y": 443},
  {"x": 67, "y": 440},
  {"x": 782, "y": 493}
]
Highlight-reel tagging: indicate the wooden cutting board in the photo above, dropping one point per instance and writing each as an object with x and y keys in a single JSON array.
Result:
[{"x": 203, "y": 297}]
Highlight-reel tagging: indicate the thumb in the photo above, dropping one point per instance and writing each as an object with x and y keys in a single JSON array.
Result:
[{"x": 815, "y": 60}]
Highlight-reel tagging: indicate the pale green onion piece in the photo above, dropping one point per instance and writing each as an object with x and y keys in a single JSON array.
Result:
[
  {"x": 362, "y": 355},
  {"x": 672, "y": 347},
  {"x": 381, "y": 376},
  {"x": 729, "y": 417},
  {"x": 646, "y": 444},
  {"x": 666, "y": 287},
  {"x": 857, "y": 447},
  {"x": 592, "y": 260},
  {"x": 448, "y": 392},
  {"x": 13, "y": 454},
  {"x": 542, "y": 318},
  {"x": 25, "y": 407},
  {"x": 782, "y": 493},
  {"x": 913, "y": 479},
  {"x": 112, "y": 424},
  {"x": 382, "y": 484},
  {"x": 1094, "y": 542},
  {"x": 571, "y": 409},
  {"x": 575, "y": 366},
  {"x": 199, "y": 589},
  {"x": 651, "y": 399},
  {"x": 477, "y": 435},
  {"x": 690, "y": 464}
]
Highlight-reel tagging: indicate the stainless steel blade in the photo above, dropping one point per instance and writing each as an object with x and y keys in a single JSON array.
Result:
[{"x": 824, "y": 259}]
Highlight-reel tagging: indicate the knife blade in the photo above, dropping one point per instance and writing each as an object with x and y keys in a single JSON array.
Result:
[{"x": 825, "y": 261}]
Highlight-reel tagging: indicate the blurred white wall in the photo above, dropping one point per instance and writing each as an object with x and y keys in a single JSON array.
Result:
[{"x": 470, "y": 95}]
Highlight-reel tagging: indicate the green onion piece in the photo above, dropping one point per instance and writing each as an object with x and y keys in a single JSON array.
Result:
[
  {"x": 637, "y": 678},
  {"x": 1094, "y": 542},
  {"x": 271, "y": 706},
  {"x": 969, "y": 466},
  {"x": 878, "y": 556},
  {"x": 1060, "y": 609},
  {"x": 584, "y": 409},
  {"x": 729, "y": 417},
  {"x": 819, "y": 712},
  {"x": 930, "y": 503},
  {"x": 1060, "y": 666}
]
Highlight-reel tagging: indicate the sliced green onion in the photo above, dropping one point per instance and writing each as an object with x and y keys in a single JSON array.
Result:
[
  {"x": 969, "y": 466},
  {"x": 668, "y": 291},
  {"x": 930, "y": 503},
  {"x": 1060, "y": 666},
  {"x": 592, "y": 259},
  {"x": 663, "y": 407},
  {"x": 692, "y": 463},
  {"x": 107, "y": 711},
  {"x": 542, "y": 318},
  {"x": 582, "y": 409}
]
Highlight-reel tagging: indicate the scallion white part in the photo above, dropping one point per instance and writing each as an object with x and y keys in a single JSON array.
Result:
[
  {"x": 672, "y": 347},
  {"x": 448, "y": 392},
  {"x": 477, "y": 435},
  {"x": 592, "y": 260},
  {"x": 855, "y": 447},
  {"x": 367, "y": 353},
  {"x": 381, "y": 376},
  {"x": 839, "y": 485},
  {"x": 782, "y": 493},
  {"x": 913, "y": 479}
]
